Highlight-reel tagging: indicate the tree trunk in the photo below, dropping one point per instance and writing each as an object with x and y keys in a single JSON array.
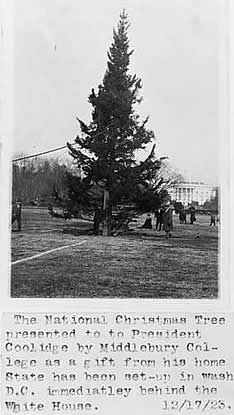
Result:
[
  {"x": 97, "y": 220},
  {"x": 106, "y": 213}
]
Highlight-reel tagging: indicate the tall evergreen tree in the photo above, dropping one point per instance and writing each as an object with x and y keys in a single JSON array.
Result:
[{"x": 107, "y": 146}]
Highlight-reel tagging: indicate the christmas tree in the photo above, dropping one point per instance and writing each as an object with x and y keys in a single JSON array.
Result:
[{"x": 106, "y": 148}]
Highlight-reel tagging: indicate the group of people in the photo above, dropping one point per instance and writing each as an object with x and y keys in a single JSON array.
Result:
[
  {"x": 163, "y": 218},
  {"x": 183, "y": 216}
]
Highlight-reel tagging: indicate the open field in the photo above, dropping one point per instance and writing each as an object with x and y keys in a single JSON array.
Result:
[{"x": 140, "y": 264}]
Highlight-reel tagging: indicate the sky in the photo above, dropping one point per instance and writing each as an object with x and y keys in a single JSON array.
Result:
[{"x": 60, "y": 54}]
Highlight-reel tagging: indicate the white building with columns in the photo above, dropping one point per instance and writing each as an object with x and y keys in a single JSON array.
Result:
[{"x": 192, "y": 192}]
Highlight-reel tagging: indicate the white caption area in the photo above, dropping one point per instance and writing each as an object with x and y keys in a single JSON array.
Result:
[{"x": 117, "y": 363}]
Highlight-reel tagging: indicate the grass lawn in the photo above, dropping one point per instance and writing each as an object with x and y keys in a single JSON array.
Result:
[{"x": 140, "y": 264}]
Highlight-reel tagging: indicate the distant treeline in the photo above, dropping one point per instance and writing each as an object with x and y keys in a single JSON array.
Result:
[
  {"x": 213, "y": 203},
  {"x": 39, "y": 181}
]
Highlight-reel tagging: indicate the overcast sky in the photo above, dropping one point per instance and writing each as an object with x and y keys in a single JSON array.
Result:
[{"x": 60, "y": 54}]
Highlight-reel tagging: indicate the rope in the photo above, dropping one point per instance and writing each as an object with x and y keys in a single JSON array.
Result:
[{"x": 55, "y": 149}]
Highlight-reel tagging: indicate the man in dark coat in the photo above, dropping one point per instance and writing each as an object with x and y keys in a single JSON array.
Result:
[
  {"x": 16, "y": 214},
  {"x": 182, "y": 216},
  {"x": 212, "y": 219},
  {"x": 192, "y": 215},
  {"x": 157, "y": 216},
  {"x": 161, "y": 217}
]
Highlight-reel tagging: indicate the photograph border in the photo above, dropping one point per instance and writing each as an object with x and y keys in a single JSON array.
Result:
[{"x": 225, "y": 268}]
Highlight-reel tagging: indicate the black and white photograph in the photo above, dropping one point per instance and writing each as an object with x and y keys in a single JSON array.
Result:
[{"x": 116, "y": 166}]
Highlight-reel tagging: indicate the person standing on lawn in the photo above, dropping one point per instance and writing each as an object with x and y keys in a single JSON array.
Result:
[
  {"x": 161, "y": 218},
  {"x": 182, "y": 216},
  {"x": 192, "y": 215},
  {"x": 16, "y": 214},
  {"x": 212, "y": 219},
  {"x": 167, "y": 220},
  {"x": 157, "y": 216}
]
